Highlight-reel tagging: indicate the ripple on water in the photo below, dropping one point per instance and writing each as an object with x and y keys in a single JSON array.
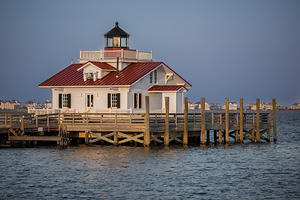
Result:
[{"x": 250, "y": 171}]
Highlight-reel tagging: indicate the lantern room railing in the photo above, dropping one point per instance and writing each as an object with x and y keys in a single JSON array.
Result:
[{"x": 108, "y": 55}]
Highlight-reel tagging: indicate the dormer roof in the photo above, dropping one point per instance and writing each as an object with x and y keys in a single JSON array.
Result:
[{"x": 101, "y": 65}]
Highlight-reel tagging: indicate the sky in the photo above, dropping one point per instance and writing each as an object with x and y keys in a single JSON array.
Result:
[{"x": 235, "y": 48}]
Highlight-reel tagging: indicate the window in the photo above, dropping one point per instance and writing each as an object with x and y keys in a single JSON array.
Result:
[
  {"x": 89, "y": 100},
  {"x": 155, "y": 77},
  {"x": 123, "y": 42},
  {"x": 64, "y": 100},
  {"x": 151, "y": 77},
  {"x": 137, "y": 100},
  {"x": 89, "y": 75},
  {"x": 113, "y": 100},
  {"x": 109, "y": 42}
]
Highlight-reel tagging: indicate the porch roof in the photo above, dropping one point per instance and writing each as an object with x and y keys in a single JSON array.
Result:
[{"x": 165, "y": 88}]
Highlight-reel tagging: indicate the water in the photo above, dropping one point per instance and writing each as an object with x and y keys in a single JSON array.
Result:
[{"x": 250, "y": 171}]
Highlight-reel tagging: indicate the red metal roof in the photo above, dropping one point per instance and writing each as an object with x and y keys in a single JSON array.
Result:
[
  {"x": 155, "y": 88},
  {"x": 71, "y": 77}
]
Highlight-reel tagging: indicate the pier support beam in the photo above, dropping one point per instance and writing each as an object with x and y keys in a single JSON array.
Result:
[
  {"x": 274, "y": 120},
  {"x": 167, "y": 131},
  {"x": 241, "y": 120},
  {"x": 226, "y": 120},
  {"x": 207, "y": 136},
  {"x": 147, "y": 124},
  {"x": 215, "y": 136},
  {"x": 220, "y": 136},
  {"x": 257, "y": 120},
  {"x": 185, "y": 128},
  {"x": 202, "y": 134}
]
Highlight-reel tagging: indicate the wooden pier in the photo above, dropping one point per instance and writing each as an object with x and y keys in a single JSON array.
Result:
[{"x": 219, "y": 127}]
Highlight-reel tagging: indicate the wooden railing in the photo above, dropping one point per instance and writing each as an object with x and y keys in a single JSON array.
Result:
[
  {"x": 113, "y": 54},
  {"x": 213, "y": 120}
]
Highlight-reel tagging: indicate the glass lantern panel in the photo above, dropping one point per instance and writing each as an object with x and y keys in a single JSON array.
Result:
[
  {"x": 123, "y": 42},
  {"x": 116, "y": 41},
  {"x": 109, "y": 42}
]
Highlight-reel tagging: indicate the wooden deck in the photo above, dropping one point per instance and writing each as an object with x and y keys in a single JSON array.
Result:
[{"x": 144, "y": 128}]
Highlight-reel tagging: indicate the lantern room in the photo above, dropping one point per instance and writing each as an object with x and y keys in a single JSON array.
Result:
[{"x": 117, "y": 38}]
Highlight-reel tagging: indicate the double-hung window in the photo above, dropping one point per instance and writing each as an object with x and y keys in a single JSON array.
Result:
[
  {"x": 89, "y": 100},
  {"x": 64, "y": 100},
  {"x": 113, "y": 100},
  {"x": 137, "y": 100}
]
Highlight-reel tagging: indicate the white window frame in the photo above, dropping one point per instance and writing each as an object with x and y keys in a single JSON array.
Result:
[
  {"x": 114, "y": 100},
  {"x": 89, "y": 100},
  {"x": 138, "y": 100},
  {"x": 65, "y": 100}
]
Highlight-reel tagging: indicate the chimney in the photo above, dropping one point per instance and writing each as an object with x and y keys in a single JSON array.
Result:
[{"x": 117, "y": 72}]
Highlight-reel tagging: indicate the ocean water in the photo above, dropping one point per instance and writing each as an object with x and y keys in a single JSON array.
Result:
[{"x": 249, "y": 171}]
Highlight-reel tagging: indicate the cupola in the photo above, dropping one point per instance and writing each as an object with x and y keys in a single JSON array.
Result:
[{"x": 116, "y": 38}]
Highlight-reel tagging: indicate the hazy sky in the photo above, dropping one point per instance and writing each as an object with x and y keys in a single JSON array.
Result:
[{"x": 232, "y": 48}]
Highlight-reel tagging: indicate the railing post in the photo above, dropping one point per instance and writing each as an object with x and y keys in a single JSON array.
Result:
[
  {"x": 226, "y": 120},
  {"x": 202, "y": 133},
  {"x": 274, "y": 120},
  {"x": 147, "y": 124},
  {"x": 241, "y": 120},
  {"x": 185, "y": 128},
  {"x": 166, "y": 134},
  {"x": 257, "y": 120}
]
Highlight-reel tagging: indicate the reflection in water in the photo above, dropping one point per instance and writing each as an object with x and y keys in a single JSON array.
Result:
[{"x": 249, "y": 171}]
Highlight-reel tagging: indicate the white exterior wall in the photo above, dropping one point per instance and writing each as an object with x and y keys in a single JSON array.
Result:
[
  {"x": 78, "y": 95},
  {"x": 78, "y": 99}
]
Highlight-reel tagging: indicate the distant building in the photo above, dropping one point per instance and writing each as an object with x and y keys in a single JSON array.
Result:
[
  {"x": 9, "y": 105},
  {"x": 295, "y": 106},
  {"x": 215, "y": 106},
  {"x": 263, "y": 106},
  {"x": 48, "y": 104},
  {"x": 266, "y": 106},
  {"x": 32, "y": 104},
  {"x": 193, "y": 106},
  {"x": 207, "y": 106},
  {"x": 232, "y": 106}
]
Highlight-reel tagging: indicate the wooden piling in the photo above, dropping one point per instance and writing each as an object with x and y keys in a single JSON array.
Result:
[
  {"x": 207, "y": 136},
  {"x": 202, "y": 134},
  {"x": 86, "y": 139},
  {"x": 252, "y": 135},
  {"x": 269, "y": 128},
  {"x": 241, "y": 120},
  {"x": 226, "y": 120},
  {"x": 116, "y": 138},
  {"x": 215, "y": 137},
  {"x": 257, "y": 120},
  {"x": 185, "y": 128},
  {"x": 274, "y": 120},
  {"x": 147, "y": 124},
  {"x": 220, "y": 136},
  {"x": 166, "y": 134}
]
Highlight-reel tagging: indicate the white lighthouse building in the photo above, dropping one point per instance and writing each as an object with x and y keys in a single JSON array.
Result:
[{"x": 116, "y": 79}]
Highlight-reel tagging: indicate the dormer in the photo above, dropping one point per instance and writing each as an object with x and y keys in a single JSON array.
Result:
[{"x": 95, "y": 70}]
